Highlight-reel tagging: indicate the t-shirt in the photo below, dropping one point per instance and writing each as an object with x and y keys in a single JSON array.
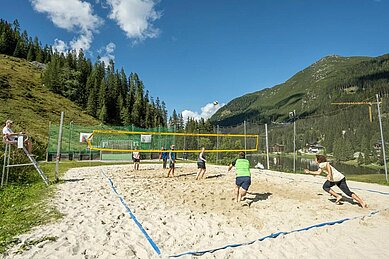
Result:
[
  {"x": 242, "y": 167},
  {"x": 136, "y": 155},
  {"x": 164, "y": 155},
  {"x": 6, "y": 131},
  {"x": 336, "y": 175},
  {"x": 172, "y": 155}
]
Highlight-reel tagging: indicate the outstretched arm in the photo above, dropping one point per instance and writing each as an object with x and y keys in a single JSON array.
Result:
[{"x": 313, "y": 172}]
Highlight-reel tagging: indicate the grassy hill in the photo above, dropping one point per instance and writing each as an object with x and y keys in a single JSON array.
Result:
[
  {"x": 30, "y": 104},
  {"x": 310, "y": 91}
]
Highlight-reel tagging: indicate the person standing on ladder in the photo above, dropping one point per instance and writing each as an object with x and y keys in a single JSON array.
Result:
[{"x": 12, "y": 137}]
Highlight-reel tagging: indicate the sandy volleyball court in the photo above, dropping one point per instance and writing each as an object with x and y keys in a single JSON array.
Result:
[{"x": 181, "y": 215}]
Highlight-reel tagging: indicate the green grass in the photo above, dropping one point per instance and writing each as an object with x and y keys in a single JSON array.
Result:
[
  {"x": 366, "y": 178},
  {"x": 24, "y": 206},
  {"x": 369, "y": 178}
]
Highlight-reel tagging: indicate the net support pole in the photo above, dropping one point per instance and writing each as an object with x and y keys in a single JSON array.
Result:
[
  {"x": 48, "y": 142},
  {"x": 59, "y": 149},
  {"x": 267, "y": 148},
  {"x": 159, "y": 136},
  {"x": 294, "y": 140},
  {"x": 382, "y": 138},
  {"x": 4, "y": 164},
  {"x": 245, "y": 131},
  {"x": 217, "y": 143}
]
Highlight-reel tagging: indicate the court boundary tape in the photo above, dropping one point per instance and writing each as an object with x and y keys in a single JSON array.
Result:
[
  {"x": 274, "y": 235},
  {"x": 149, "y": 239}
]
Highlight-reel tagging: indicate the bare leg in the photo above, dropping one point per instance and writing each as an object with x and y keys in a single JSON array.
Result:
[
  {"x": 359, "y": 200},
  {"x": 237, "y": 193},
  {"x": 198, "y": 174},
  {"x": 202, "y": 174},
  {"x": 29, "y": 146},
  {"x": 242, "y": 193}
]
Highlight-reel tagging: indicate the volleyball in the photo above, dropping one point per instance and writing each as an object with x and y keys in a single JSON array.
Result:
[{"x": 215, "y": 103}]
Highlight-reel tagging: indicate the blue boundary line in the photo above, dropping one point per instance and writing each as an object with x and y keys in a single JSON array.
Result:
[
  {"x": 273, "y": 235},
  {"x": 152, "y": 243}
]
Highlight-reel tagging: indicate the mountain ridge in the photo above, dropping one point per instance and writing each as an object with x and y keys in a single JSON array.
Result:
[{"x": 331, "y": 78}]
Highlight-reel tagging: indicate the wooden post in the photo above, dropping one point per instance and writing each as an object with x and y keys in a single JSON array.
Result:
[
  {"x": 382, "y": 138},
  {"x": 267, "y": 149}
]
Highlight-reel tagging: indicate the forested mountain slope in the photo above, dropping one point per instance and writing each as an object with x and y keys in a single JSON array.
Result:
[
  {"x": 312, "y": 90},
  {"x": 341, "y": 129}
]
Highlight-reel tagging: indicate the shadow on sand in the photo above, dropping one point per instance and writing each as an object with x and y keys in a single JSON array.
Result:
[
  {"x": 215, "y": 176},
  {"x": 182, "y": 175},
  {"x": 257, "y": 197},
  {"x": 345, "y": 199},
  {"x": 73, "y": 180}
]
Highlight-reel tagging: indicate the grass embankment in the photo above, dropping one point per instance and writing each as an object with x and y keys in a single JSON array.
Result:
[
  {"x": 366, "y": 178},
  {"x": 24, "y": 206}
]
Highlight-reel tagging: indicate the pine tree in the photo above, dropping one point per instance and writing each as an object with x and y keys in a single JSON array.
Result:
[
  {"x": 20, "y": 50},
  {"x": 103, "y": 114},
  {"x": 31, "y": 53}
]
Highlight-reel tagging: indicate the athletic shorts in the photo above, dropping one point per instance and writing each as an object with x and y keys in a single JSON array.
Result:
[
  {"x": 201, "y": 165},
  {"x": 243, "y": 181},
  {"x": 171, "y": 164},
  {"x": 136, "y": 160},
  {"x": 341, "y": 184}
]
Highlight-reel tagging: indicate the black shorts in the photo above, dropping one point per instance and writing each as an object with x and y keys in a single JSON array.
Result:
[
  {"x": 243, "y": 181},
  {"x": 341, "y": 184},
  {"x": 136, "y": 160},
  {"x": 201, "y": 165},
  {"x": 171, "y": 164}
]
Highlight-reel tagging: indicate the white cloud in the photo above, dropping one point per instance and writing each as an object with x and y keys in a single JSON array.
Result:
[
  {"x": 60, "y": 46},
  {"x": 71, "y": 15},
  {"x": 135, "y": 17},
  {"x": 108, "y": 53},
  {"x": 206, "y": 112}
]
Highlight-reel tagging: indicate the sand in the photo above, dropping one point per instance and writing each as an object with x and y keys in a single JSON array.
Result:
[{"x": 181, "y": 214}]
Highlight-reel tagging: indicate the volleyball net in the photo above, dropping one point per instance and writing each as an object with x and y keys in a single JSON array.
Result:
[{"x": 152, "y": 142}]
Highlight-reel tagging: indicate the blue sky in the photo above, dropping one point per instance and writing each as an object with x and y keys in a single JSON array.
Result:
[{"x": 190, "y": 53}]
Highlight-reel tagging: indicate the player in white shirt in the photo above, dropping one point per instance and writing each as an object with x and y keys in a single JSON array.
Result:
[{"x": 334, "y": 177}]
